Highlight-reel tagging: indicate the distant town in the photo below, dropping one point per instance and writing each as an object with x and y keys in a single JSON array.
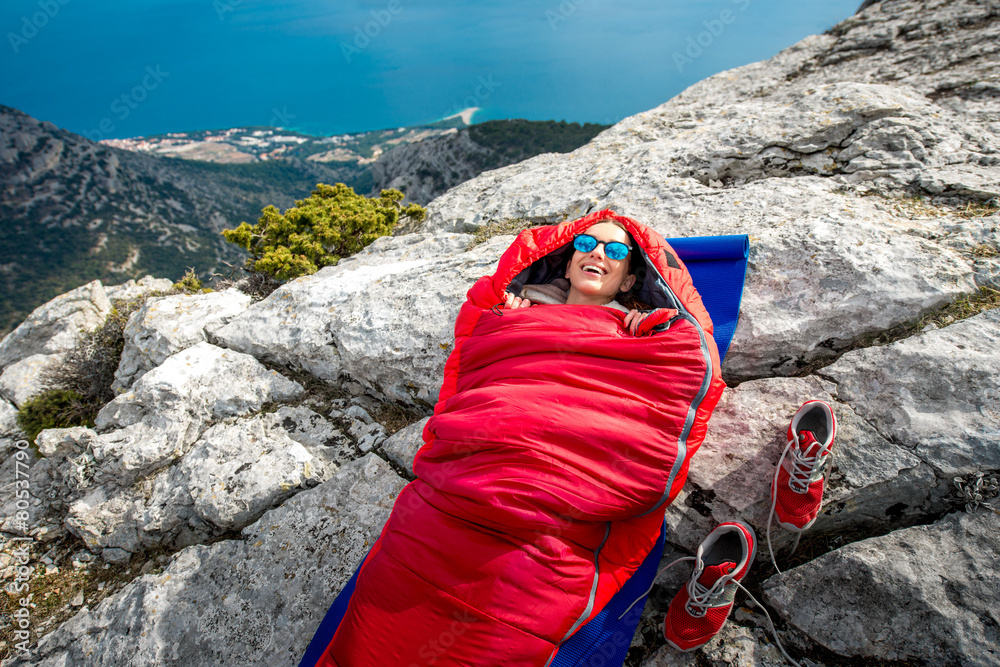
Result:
[{"x": 257, "y": 144}]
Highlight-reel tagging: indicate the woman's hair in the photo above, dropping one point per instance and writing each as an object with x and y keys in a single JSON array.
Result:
[{"x": 636, "y": 267}]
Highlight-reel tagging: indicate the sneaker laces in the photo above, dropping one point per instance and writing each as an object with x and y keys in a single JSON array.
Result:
[
  {"x": 655, "y": 576},
  {"x": 701, "y": 598},
  {"x": 707, "y": 590},
  {"x": 770, "y": 623},
  {"x": 805, "y": 469}
]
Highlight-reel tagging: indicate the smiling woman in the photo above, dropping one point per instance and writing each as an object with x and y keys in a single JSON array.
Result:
[
  {"x": 596, "y": 278},
  {"x": 600, "y": 273},
  {"x": 557, "y": 442}
]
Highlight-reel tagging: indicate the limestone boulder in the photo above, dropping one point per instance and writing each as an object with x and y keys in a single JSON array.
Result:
[
  {"x": 925, "y": 593},
  {"x": 252, "y": 601},
  {"x": 937, "y": 394},
  {"x": 100, "y": 481},
  {"x": 199, "y": 384},
  {"x": 23, "y": 380},
  {"x": 106, "y": 519},
  {"x": 234, "y": 473},
  {"x": 734, "y": 646},
  {"x": 55, "y": 326},
  {"x": 388, "y": 327},
  {"x": 230, "y": 477},
  {"x": 133, "y": 289},
  {"x": 166, "y": 325},
  {"x": 319, "y": 435},
  {"x": 10, "y": 432},
  {"x": 401, "y": 447}
]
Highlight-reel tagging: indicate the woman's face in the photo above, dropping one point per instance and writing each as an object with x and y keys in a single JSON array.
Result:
[{"x": 595, "y": 278}]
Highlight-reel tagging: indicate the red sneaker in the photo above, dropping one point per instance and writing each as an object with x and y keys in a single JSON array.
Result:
[
  {"x": 700, "y": 609},
  {"x": 799, "y": 481}
]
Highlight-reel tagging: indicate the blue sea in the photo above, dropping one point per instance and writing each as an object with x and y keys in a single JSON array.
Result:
[{"x": 117, "y": 69}]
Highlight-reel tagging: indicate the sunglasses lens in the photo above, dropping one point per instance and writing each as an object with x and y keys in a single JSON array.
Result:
[
  {"x": 616, "y": 250},
  {"x": 584, "y": 243}
]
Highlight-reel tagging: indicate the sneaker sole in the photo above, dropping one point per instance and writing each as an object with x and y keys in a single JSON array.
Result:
[
  {"x": 688, "y": 650},
  {"x": 792, "y": 527}
]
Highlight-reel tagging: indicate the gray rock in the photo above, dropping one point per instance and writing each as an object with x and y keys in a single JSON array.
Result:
[
  {"x": 937, "y": 393},
  {"x": 314, "y": 432},
  {"x": 371, "y": 438},
  {"x": 402, "y": 445},
  {"x": 16, "y": 468},
  {"x": 106, "y": 519},
  {"x": 386, "y": 326},
  {"x": 54, "y": 326},
  {"x": 96, "y": 480},
  {"x": 10, "y": 432},
  {"x": 235, "y": 472},
  {"x": 203, "y": 382},
  {"x": 133, "y": 289},
  {"x": 24, "y": 379},
  {"x": 925, "y": 593},
  {"x": 358, "y": 413},
  {"x": 734, "y": 646},
  {"x": 254, "y": 601},
  {"x": 166, "y": 325},
  {"x": 409, "y": 247}
]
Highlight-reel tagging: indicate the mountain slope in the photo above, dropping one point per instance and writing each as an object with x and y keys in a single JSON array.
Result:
[
  {"x": 431, "y": 167},
  {"x": 72, "y": 210}
]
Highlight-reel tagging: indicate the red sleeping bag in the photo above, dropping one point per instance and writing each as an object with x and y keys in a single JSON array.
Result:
[{"x": 557, "y": 442}]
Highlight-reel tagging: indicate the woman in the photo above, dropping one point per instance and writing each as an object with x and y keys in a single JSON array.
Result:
[
  {"x": 593, "y": 276},
  {"x": 560, "y": 435}
]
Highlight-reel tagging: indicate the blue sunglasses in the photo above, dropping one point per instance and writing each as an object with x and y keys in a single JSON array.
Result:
[{"x": 613, "y": 249}]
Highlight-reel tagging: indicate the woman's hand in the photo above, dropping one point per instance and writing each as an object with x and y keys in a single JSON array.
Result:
[
  {"x": 643, "y": 323},
  {"x": 515, "y": 301},
  {"x": 633, "y": 319}
]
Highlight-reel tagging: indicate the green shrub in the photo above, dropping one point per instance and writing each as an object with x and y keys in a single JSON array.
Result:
[
  {"x": 88, "y": 370},
  {"x": 333, "y": 222},
  {"x": 191, "y": 283},
  {"x": 55, "y": 408}
]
